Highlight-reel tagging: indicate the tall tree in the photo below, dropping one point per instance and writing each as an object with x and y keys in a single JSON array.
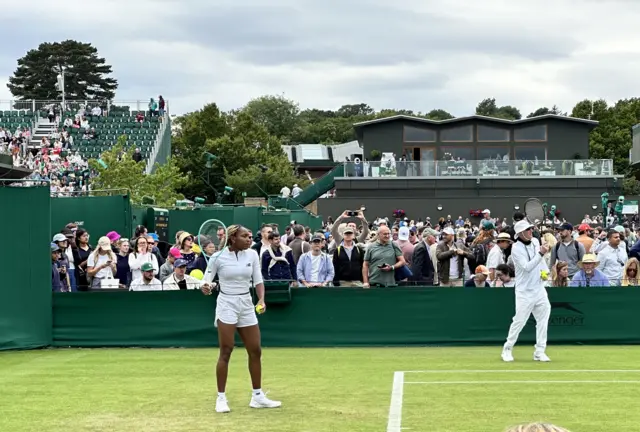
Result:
[
  {"x": 117, "y": 170},
  {"x": 439, "y": 114},
  {"x": 489, "y": 108},
  {"x": 276, "y": 113},
  {"x": 355, "y": 110},
  {"x": 85, "y": 73}
]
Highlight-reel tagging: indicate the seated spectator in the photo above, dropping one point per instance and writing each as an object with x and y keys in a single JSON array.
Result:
[
  {"x": 479, "y": 279},
  {"x": 348, "y": 259},
  {"x": 506, "y": 276},
  {"x": 588, "y": 275},
  {"x": 315, "y": 268},
  {"x": 167, "y": 268},
  {"x": 630, "y": 273},
  {"x": 208, "y": 250},
  {"x": 101, "y": 264},
  {"x": 186, "y": 244},
  {"x": 179, "y": 280},
  {"x": 96, "y": 111},
  {"x": 140, "y": 117},
  {"x": 147, "y": 281},
  {"x": 560, "y": 274},
  {"x": 277, "y": 260}
]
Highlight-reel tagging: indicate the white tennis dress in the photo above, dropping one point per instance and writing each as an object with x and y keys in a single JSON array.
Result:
[{"x": 237, "y": 272}]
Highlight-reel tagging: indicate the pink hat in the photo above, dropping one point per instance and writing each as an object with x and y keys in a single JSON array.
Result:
[
  {"x": 175, "y": 252},
  {"x": 113, "y": 236}
]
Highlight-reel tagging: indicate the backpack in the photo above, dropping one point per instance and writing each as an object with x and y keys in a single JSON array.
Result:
[
  {"x": 575, "y": 243},
  {"x": 479, "y": 252},
  {"x": 355, "y": 246}
]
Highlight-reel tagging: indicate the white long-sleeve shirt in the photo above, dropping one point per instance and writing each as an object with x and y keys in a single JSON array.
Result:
[
  {"x": 237, "y": 271},
  {"x": 135, "y": 263},
  {"x": 528, "y": 264},
  {"x": 612, "y": 261}
]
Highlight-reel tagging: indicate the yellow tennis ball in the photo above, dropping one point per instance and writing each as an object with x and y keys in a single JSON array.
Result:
[{"x": 259, "y": 308}]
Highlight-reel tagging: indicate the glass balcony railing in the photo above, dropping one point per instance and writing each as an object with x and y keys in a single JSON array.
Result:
[{"x": 481, "y": 168}]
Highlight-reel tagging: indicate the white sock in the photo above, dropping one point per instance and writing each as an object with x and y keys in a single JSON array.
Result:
[
  {"x": 257, "y": 392},
  {"x": 222, "y": 395}
]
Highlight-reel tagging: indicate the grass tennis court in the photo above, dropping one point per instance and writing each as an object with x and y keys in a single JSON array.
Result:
[{"x": 585, "y": 389}]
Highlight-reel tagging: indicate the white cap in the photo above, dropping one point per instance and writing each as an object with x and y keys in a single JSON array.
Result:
[
  {"x": 59, "y": 238},
  {"x": 522, "y": 226},
  {"x": 449, "y": 231},
  {"x": 486, "y": 211},
  {"x": 403, "y": 233}
]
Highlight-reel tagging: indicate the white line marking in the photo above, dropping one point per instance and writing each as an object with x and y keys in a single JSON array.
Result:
[
  {"x": 395, "y": 409},
  {"x": 525, "y": 370},
  {"x": 521, "y": 382}
]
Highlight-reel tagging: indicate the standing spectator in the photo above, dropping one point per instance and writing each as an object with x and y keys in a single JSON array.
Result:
[
  {"x": 56, "y": 286},
  {"x": 147, "y": 280},
  {"x": 315, "y": 268},
  {"x": 422, "y": 261},
  {"x": 348, "y": 259},
  {"x": 81, "y": 258},
  {"x": 298, "y": 245},
  {"x": 152, "y": 240},
  {"x": 63, "y": 261},
  {"x": 296, "y": 190},
  {"x": 497, "y": 255},
  {"x": 277, "y": 260},
  {"x": 167, "y": 268},
  {"x": 381, "y": 260},
  {"x": 137, "y": 156},
  {"x": 161, "y": 105},
  {"x": 338, "y": 228},
  {"x": 451, "y": 257},
  {"x": 208, "y": 250},
  {"x": 584, "y": 230},
  {"x": 613, "y": 258},
  {"x": 567, "y": 250},
  {"x": 140, "y": 256},
  {"x": 123, "y": 271},
  {"x": 263, "y": 244},
  {"x": 101, "y": 263},
  {"x": 153, "y": 107},
  {"x": 405, "y": 245}
]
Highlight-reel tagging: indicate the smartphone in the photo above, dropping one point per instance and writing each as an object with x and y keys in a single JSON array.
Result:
[
  {"x": 352, "y": 213},
  {"x": 382, "y": 266}
]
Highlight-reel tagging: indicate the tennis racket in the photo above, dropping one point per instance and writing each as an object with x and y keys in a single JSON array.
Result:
[
  {"x": 209, "y": 231},
  {"x": 533, "y": 210}
]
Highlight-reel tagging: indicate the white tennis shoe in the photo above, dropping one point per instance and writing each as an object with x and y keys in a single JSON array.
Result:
[
  {"x": 222, "y": 406},
  {"x": 507, "y": 355},
  {"x": 541, "y": 357},
  {"x": 262, "y": 401}
]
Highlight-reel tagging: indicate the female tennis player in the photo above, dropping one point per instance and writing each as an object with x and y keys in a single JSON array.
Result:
[{"x": 237, "y": 266}]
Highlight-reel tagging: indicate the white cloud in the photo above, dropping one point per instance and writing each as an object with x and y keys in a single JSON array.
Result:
[{"x": 412, "y": 54}]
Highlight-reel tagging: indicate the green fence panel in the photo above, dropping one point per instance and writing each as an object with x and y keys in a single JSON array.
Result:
[
  {"x": 138, "y": 217},
  {"x": 248, "y": 217},
  {"x": 25, "y": 288},
  {"x": 191, "y": 220},
  {"x": 347, "y": 317},
  {"x": 97, "y": 214}
]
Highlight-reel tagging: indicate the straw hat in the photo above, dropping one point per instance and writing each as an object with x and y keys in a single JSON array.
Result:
[
  {"x": 503, "y": 236},
  {"x": 588, "y": 259}
]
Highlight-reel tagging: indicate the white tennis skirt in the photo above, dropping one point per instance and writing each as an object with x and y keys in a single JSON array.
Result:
[{"x": 237, "y": 310}]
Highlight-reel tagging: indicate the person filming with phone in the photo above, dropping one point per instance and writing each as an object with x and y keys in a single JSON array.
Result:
[
  {"x": 381, "y": 260},
  {"x": 339, "y": 225}
]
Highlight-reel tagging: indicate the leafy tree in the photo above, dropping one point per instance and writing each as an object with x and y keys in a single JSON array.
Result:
[
  {"x": 489, "y": 108},
  {"x": 439, "y": 114},
  {"x": 355, "y": 110},
  {"x": 86, "y": 74},
  {"x": 276, "y": 113},
  {"x": 117, "y": 170}
]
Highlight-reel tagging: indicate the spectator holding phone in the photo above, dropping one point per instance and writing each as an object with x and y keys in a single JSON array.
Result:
[
  {"x": 339, "y": 226},
  {"x": 101, "y": 263},
  {"x": 381, "y": 260}
]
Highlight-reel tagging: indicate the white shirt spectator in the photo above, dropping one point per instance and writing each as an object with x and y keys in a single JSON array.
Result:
[
  {"x": 141, "y": 285},
  {"x": 135, "y": 263},
  {"x": 612, "y": 261},
  {"x": 102, "y": 259},
  {"x": 96, "y": 111},
  {"x": 285, "y": 192},
  {"x": 296, "y": 190}
]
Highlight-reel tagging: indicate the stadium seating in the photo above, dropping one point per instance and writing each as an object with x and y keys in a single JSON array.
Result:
[
  {"x": 15, "y": 119},
  {"x": 120, "y": 121}
]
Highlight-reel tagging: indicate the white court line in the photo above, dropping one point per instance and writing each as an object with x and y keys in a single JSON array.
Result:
[
  {"x": 521, "y": 382},
  {"x": 395, "y": 409},
  {"x": 526, "y": 370}
]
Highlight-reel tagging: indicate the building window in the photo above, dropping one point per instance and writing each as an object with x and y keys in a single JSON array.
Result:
[
  {"x": 531, "y": 133},
  {"x": 455, "y": 153},
  {"x": 493, "y": 153},
  {"x": 415, "y": 134},
  {"x": 457, "y": 134},
  {"x": 489, "y": 133},
  {"x": 531, "y": 153}
]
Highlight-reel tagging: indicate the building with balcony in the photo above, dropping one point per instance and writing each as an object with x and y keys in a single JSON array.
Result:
[{"x": 452, "y": 167}]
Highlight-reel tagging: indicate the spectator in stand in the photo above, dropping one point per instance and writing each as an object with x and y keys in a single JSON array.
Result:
[
  {"x": 137, "y": 156},
  {"x": 583, "y": 236},
  {"x": 381, "y": 260},
  {"x": 613, "y": 258},
  {"x": 405, "y": 245},
  {"x": 161, "y": 105},
  {"x": 277, "y": 261},
  {"x": 339, "y": 225},
  {"x": 140, "y": 117},
  {"x": 56, "y": 285},
  {"x": 185, "y": 242},
  {"x": 315, "y": 268},
  {"x": 147, "y": 280},
  {"x": 96, "y": 111},
  {"x": 123, "y": 271},
  {"x": 497, "y": 255},
  {"x": 298, "y": 244},
  {"x": 140, "y": 256},
  {"x": 153, "y": 108},
  {"x": 479, "y": 278},
  {"x": 560, "y": 274},
  {"x": 68, "y": 253},
  {"x": 113, "y": 238},
  {"x": 451, "y": 257},
  {"x": 422, "y": 266},
  {"x": 63, "y": 262},
  {"x": 506, "y": 276},
  {"x": 141, "y": 230},
  {"x": 630, "y": 273},
  {"x": 101, "y": 263},
  {"x": 222, "y": 238},
  {"x": 589, "y": 275},
  {"x": 179, "y": 280},
  {"x": 167, "y": 268},
  {"x": 152, "y": 240},
  {"x": 208, "y": 250},
  {"x": 81, "y": 257},
  {"x": 263, "y": 243},
  {"x": 567, "y": 250},
  {"x": 348, "y": 259}
]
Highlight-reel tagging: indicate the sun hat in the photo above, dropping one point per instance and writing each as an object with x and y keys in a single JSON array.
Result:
[
  {"x": 522, "y": 226},
  {"x": 588, "y": 259},
  {"x": 503, "y": 236}
]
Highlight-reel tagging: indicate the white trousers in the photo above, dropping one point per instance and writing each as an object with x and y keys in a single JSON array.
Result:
[{"x": 541, "y": 310}]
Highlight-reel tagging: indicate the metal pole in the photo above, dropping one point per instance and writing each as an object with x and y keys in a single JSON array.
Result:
[{"x": 64, "y": 106}]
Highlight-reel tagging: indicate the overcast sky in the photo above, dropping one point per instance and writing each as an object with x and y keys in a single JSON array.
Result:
[{"x": 411, "y": 54}]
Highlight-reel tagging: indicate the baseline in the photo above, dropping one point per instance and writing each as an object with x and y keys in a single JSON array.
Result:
[
  {"x": 395, "y": 408},
  {"x": 525, "y": 382},
  {"x": 435, "y": 371}
]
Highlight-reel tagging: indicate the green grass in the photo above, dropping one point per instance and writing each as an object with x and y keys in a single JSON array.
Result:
[{"x": 323, "y": 390}]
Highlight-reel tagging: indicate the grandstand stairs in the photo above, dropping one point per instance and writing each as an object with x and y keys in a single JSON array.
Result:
[{"x": 42, "y": 129}]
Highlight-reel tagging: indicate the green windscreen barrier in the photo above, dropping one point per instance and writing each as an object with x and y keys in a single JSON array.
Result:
[
  {"x": 25, "y": 286},
  {"x": 326, "y": 317},
  {"x": 96, "y": 214}
]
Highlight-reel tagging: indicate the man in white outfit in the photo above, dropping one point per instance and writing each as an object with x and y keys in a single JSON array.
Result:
[{"x": 531, "y": 295}]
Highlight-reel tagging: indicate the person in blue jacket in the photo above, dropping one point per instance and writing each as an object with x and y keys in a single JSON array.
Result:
[
  {"x": 589, "y": 275},
  {"x": 277, "y": 260},
  {"x": 56, "y": 284}
]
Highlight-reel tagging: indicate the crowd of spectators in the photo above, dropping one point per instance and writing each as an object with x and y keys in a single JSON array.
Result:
[
  {"x": 352, "y": 252},
  {"x": 14, "y": 143}
]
